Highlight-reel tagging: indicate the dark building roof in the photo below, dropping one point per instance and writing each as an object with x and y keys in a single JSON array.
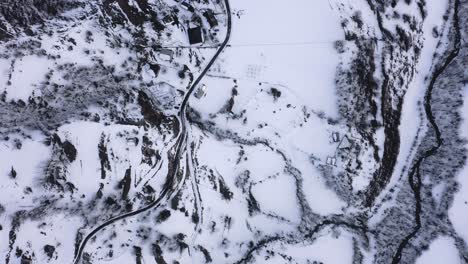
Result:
[
  {"x": 211, "y": 18},
  {"x": 195, "y": 35}
]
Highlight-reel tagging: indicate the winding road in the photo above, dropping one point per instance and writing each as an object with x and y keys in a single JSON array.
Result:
[{"x": 171, "y": 182}]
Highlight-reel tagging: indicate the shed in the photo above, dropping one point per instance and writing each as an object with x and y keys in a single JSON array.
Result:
[
  {"x": 331, "y": 161},
  {"x": 168, "y": 20},
  {"x": 187, "y": 6},
  {"x": 211, "y": 18},
  {"x": 195, "y": 35},
  {"x": 132, "y": 141},
  {"x": 165, "y": 54},
  {"x": 335, "y": 136}
]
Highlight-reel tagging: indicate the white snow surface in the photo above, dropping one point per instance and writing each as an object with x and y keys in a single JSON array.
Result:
[
  {"x": 284, "y": 142},
  {"x": 328, "y": 248},
  {"x": 412, "y": 107},
  {"x": 264, "y": 53},
  {"x": 28, "y": 73},
  {"x": 276, "y": 49},
  {"x": 28, "y": 173},
  {"x": 441, "y": 250}
]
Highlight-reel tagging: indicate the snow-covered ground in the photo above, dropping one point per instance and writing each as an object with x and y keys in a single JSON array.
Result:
[
  {"x": 413, "y": 125},
  {"x": 268, "y": 54},
  {"x": 441, "y": 250},
  {"x": 283, "y": 158},
  {"x": 458, "y": 213},
  {"x": 288, "y": 46}
]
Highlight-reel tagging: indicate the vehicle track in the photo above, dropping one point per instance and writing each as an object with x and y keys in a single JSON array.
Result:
[{"x": 169, "y": 187}]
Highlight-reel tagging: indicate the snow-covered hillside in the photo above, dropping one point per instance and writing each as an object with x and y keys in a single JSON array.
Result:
[{"x": 233, "y": 131}]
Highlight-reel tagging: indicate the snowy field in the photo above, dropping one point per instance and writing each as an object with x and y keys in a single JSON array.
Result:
[{"x": 325, "y": 132}]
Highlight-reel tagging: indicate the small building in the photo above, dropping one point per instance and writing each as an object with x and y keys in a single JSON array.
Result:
[
  {"x": 195, "y": 35},
  {"x": 345, "y": 144},
  {"x": 331, "y": 161},
  {"x": 335, "y": 136},
  {"x": 211, "y": 18},
  {"x": 165, "y": 54},
  {"x": 201, "y": 91},
  {"x": 185, "y": 5},
  {"x": 132, "y": 141},
  {"x": 168, "y": 20}
]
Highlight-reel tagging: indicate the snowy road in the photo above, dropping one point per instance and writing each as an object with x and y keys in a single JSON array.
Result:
[{"x": 172, "y": 185}]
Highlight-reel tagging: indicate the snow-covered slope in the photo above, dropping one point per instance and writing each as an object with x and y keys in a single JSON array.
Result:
[{"x": 297, "y": 131}]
